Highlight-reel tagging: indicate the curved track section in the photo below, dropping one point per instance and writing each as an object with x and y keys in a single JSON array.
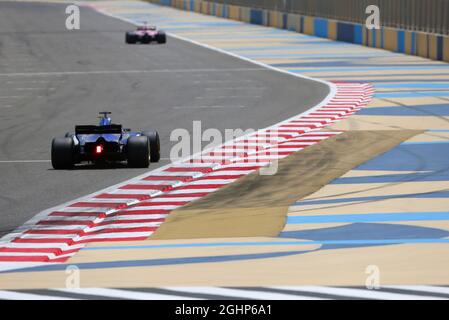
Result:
[
  {"x": 52, "y": 78},
  {"x": 387, "y": 214},
  {"x": 134, "y": 210}
]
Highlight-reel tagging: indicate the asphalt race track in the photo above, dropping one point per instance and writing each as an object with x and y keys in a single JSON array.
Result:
[
  {"x": 52, "y": 78},
  {"x": 356, "y": 206}
]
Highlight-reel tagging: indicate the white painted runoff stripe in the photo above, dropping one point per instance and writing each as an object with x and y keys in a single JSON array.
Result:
[
  {"x": 141, "y": 192},
  {"x": 357, "y": 293},
  {"x": 126, "y": 198},
  {"x": 247, "y": 294},
  {"x": 254, "y": 293},
  {"x": 61, "y": 246},
  {"x": 135, "y": 217},
  {"x": 165, "y": 199},
  {"x": 163, "y": 207},
  {"x": 430, "y": 289},
  {"x": 124, "y": 294},
  {"x": 73, "y": 227},
  {"x": 12, "y": 295}
]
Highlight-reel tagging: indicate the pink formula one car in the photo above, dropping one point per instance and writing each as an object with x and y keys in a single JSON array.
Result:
[{"x": 145, "y": 34}]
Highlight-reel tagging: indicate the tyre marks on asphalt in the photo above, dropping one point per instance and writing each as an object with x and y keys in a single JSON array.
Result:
[{"x": 255, "y": 206}]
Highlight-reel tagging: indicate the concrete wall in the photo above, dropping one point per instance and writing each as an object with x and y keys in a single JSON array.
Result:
[{"x": 426, "y": 45}]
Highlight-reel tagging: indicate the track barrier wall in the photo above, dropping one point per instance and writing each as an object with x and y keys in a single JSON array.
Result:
[{"x": 423, "y": 44}]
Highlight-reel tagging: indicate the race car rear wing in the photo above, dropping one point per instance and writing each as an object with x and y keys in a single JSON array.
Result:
[{"x": 89, "y": 129}]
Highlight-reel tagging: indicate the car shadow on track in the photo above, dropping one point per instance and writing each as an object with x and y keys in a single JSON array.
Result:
[{"x": 98, "y": 166}]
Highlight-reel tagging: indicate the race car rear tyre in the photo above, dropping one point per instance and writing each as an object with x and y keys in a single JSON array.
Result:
[
  {"x": 161, "y": 37},
  {"x": 138, "y": 152},
  {"x": 130, "y": 38},
  {"x": 62, "y": 153},
  {"x": 155, "y": 145}
]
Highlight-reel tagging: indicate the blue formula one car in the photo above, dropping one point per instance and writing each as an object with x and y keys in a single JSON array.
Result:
[{"x": 105, "y": 143}]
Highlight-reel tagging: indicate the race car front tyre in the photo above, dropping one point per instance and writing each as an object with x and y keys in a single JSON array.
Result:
[
  {"x": 161, "y": 37},
  {"x": 130, "y": 38},
  {"x": 155, "y": 145},
  {"x": 62, "y": 153},
  {"x": 138, "y": 152}
]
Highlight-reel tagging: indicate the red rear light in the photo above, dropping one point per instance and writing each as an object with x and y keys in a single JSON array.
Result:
[{"x": 99, "y": 149}]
